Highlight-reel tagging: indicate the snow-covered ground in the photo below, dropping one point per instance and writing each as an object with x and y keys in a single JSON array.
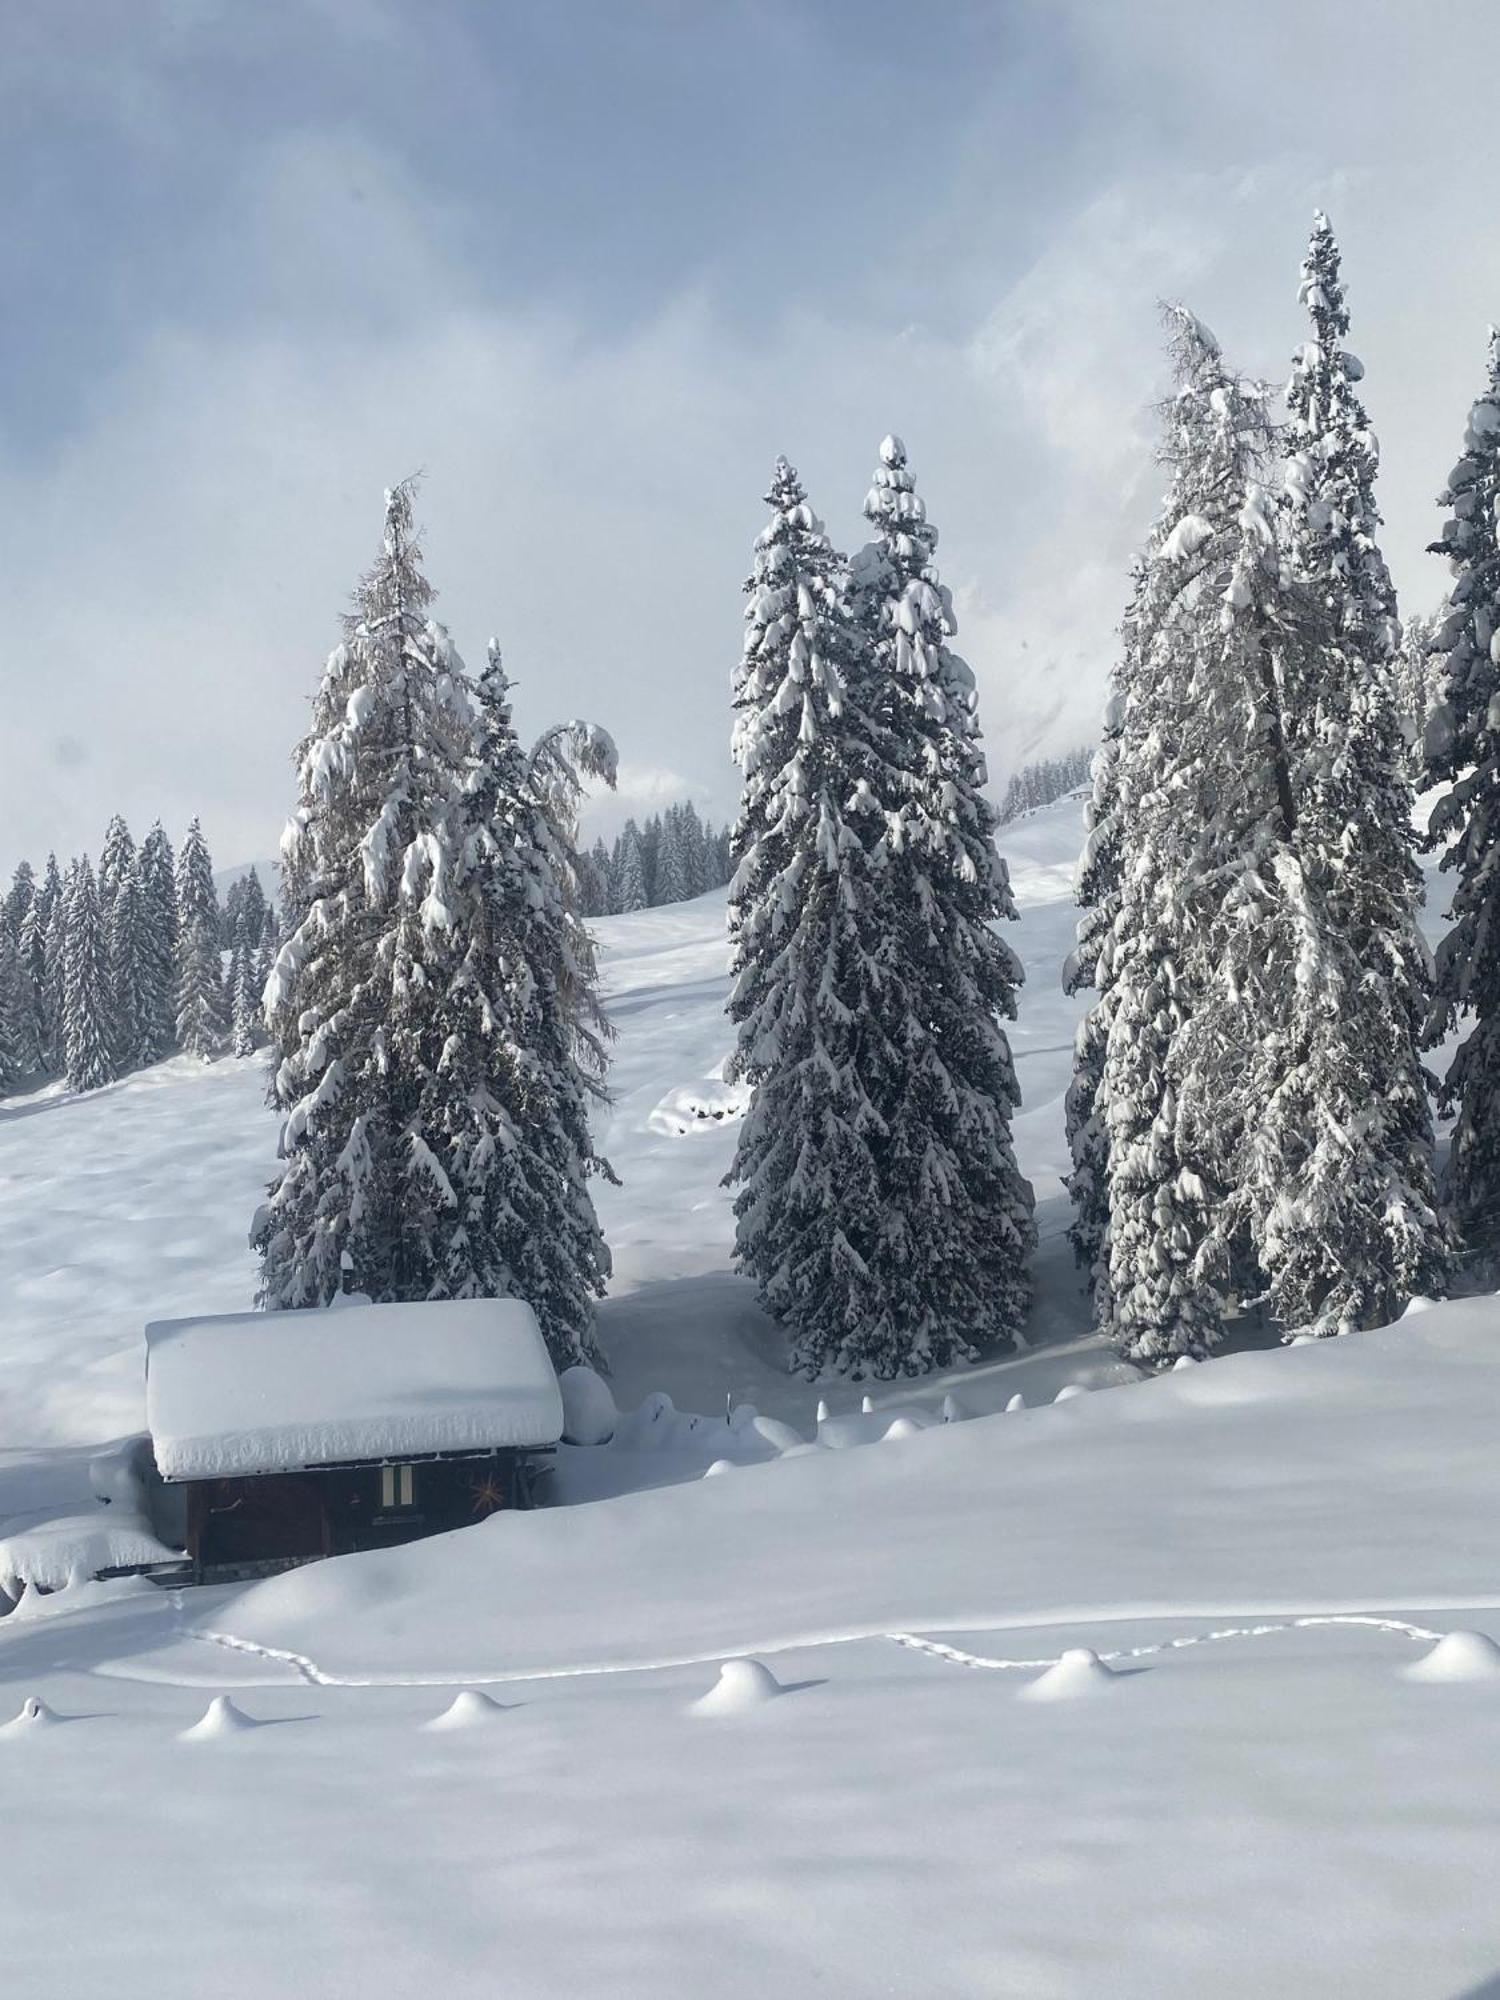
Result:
[{"x": 1249, "y": 1790}]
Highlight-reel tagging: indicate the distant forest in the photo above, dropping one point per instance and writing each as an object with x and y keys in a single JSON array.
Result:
[{"x": 674, "y": 856}]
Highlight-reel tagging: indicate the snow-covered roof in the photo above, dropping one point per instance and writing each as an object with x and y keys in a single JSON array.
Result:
[{"x": 272, "y": 1392}]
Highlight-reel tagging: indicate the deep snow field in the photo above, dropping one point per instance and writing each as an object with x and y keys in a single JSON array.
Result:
[{"x": 1259, "y": 1784}]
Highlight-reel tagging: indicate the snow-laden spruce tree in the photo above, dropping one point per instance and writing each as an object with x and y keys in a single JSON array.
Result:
[
  {"x": 1463, "y": 749},
  {"x": 31, "y": 960},
  {"x": 694, "y": 851},
  {"x": 1190, "y": 782},
  {"x": 115, "y": 857},
  {"x": 957, "y": 1231},
  {"x": 18, "y": 900},
  {"x": 602, "y": 880},
  {"x": 367, "y": 866},
  {"x": 87, "y": 1037},
  {"x": 245, "y": 977},
  {"x": 55, "y": 893},
  {"x": 20, "y": 924},
  {"x": 13, "y": 1067},
  {"x": 819, "y": 994},
  {"x": 128, "y": 954},
  {"x": 21, "y": 920},
  {"x": 630, "y": 870},
  {"x": 243, "y": 990},
  {"x": 159, "y": 929},
  {"x": 200, "y": 978},
  {"x": 517, "y": 1040},
  {"x": 1337, "y": 1180},
  {"x": 671, "y": 860}
]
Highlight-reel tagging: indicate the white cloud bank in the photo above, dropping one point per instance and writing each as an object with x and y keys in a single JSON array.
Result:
[{"x": 177, "y": 558}]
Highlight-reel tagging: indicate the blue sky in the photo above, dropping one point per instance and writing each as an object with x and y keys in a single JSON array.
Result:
[{"x": 591, "y": 267}]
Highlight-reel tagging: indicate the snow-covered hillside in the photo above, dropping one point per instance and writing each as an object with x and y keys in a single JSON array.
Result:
[
  {"x": 1275, "y": 1775},
  {"x": 134, "y": 1202},
  {"x": 1153, "y": 1692}
]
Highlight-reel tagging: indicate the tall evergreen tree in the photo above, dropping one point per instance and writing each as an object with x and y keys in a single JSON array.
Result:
[
  {"x": 518, "y": 1039},
  {"x": 630, "y": 870},
  {"x": 1264, "y": 1123},
  {"x": 13, "y": 1067},
  {"x": 127, "y": 953},
  {"x": 246, "y": 912},
  {"x": 368, "y": 867},
  {"x": 18, "y": 901},
  {"x": 694, "y": 851},
  {"x": 251, "y": 916},
  {"x": 159, "y": 933},
  {"x": 88, "y": 1055},
  {"x": 200, "y": 979},
  {"x": 115, "y": 858},
  {"x": 651, "y": 840},
  {"x": 244, "y": 998},
  {"x": 270, "y": 939},
  {"x": 53, "y": 1009},
  {"x": 31, "y": 968},
  {"x": 1187, "y": 784},
  {"x": 671, "y": 860},
  {"x": 953, "y": 1259},
  {"x": 603, "y": 877},
  {"x": 1463, "y": 747},
  {"x": 820, "y": 986},
  {"x": 1338, "y": 1186}
]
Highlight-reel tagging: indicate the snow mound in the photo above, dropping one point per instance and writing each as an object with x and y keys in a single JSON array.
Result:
[
  {"x": 954, "y": 1412},
  {"x": 872, "y": 1426},
  {"x": 741, "y": 1686},
  {"x": 1017, "y": 1402},
  {"x": 1459, "y": 1656},
  {"x": 220, "y": 1718},
  {"x": 650, "y": 1425},
  {"x": 51, "y": 1554},
  {"x": 34, "y": 1714},
  {"x": 589, "y": 1413},
  {"x": 115, "y": 1474},
  {"x": 699, "y": 1107},
  {"x": 1068, "y": 1391},
  {"x": 468, "y": 1710},
  {"x": 783, "y": 1436},
  {"x": 1079, "y": 1672},
  {"x": 1183, "y": 1361},
  {"x": 719, "y": 1465}
]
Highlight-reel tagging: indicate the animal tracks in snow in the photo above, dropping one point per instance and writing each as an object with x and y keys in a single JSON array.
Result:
[{"x": 309, "y": 1671}]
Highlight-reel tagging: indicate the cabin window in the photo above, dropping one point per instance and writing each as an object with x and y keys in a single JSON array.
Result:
[{"x": 395, "y": 1486}]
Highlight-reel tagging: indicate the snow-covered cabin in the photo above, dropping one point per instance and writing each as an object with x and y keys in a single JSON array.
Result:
[{"x": 278, "y": 1438}]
